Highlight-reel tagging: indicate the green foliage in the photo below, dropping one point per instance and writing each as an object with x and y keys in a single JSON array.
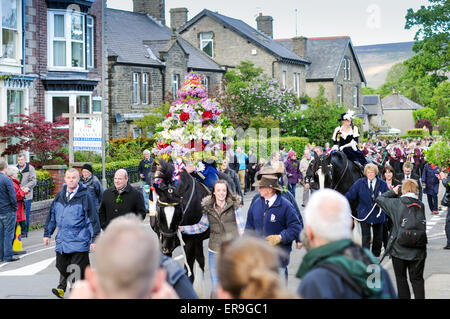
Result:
[
  {"x": 87, "y": 156},
  {"x": 267, "y": 122},
  {"x": 124, "y": 149},
  {"x": 369, "y": 91},
  {"x": 115, "y": 165},
  {"x": 417, "y": 132},
  {"x": 441, "y": 99},
  {"x": 42, "y": 175},
  {"x": 425, "y": 113},
  {"x": 240, "y": 78},
  {"x": 444, "y": 126},
  {"x": 439, "y": 153},
  {"x": 149, "y": 122}
]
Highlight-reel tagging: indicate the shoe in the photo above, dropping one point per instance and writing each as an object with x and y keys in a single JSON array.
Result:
[
  {"x": 58, "y": 292},
  {"x": 434, "y": 212},
  {"x": 447, "y": 247},
  {"x": 12, "y": 259}
]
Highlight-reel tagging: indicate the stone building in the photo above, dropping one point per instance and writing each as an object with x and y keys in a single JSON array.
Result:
[
  {"x": 147, "y": 63},
  {"x": 372, "y": 111},
  {"x": 334, "y": 65},
  {"x": 229, "y": 41},
  {"x": 52, "y": 57},
  {"x": 398, "y": 112}
]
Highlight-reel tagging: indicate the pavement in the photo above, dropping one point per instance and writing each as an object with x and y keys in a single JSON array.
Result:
[{"x": 35, "y": 274}]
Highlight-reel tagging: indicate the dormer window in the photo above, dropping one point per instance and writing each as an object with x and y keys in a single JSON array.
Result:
[{"x": 207, "y": 43}]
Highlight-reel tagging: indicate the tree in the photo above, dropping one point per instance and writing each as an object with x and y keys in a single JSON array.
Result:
[
  {"x": 421, "y": 123},
  {"x": 441, "y": 92},
  {"x": 425, "y": 113},
  {"x": 369, "y": 91},
  {"x": 432, "y": 40},
  {"x": 34, "y": 134},
  {"x": 415, "y": 96},
  {"x": 149, "y": 122},
  {"x": 442, "y": 109}
]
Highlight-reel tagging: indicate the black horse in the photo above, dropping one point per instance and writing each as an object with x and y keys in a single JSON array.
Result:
[{"x": 179, "y": 204}]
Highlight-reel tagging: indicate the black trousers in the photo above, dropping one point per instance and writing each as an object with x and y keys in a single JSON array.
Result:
[
  {"x": 387, "y": 227},
  {"x": 415, "y": 269},
  {"x": 71, "y": 265},
  {"x": 377, "y": 237}
]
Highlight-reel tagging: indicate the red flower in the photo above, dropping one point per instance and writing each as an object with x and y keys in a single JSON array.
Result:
[
  {"x": 184, "y": 116},
  {"x": 224, "y": 147},
  {"x": 168, "y": 115},
  {"x": 217, "y": 113},
  {"x": 207, "y": 115}
]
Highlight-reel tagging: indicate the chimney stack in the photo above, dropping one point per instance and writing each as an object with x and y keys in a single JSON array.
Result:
[
  {"x": 178, "y": 17},
  {"x": 299, "y": 46},
  {"x": 265, "y": 24},
  {"x": 155, "y": 8}
]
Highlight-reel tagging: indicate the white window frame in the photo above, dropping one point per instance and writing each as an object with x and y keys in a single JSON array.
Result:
[
  {"x": 90, "y": 30},
  {"x": 144, "y": 91},
  {"x": 355, "y": 96},
  {"x": 135, "y": 89},
  {"x": 340, "y": 94},
  {"x": 49, "y": 95},
  {"x": 175, "y": 84},
  {"x": 284, "y": 79},
  {"x": 298, "y": 84},
  {"x": 19, "y": 35},
  {"x": 204, "y": 42},
  {"x": 295, "y": 83},
  {"x": 347, "y": 69},
  {"x": 205, "y": 82},
  {"x": 67, "y": 38}
]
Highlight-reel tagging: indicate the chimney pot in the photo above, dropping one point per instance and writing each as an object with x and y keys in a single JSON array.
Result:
[
  {"x": 155, "y": 8},
  {"x": 178, "y": 17},
  {"x": 299, "y": 46},
  {"x": 265, "y": 25}
]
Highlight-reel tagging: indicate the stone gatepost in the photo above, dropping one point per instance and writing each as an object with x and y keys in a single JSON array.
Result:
[{"x": 57, "y": 173}]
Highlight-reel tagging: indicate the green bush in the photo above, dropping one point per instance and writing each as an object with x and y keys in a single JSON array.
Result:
[
  {"x": 417, "y": 132},
  {"x": 296, "y": 143},
  {"x": 87, "y": 156},
  {"x": 444, "y": 126},
  {"x": 42, "y": 175},
  {"x": 116, "y": 165},
  {"x": 124, "y": 149},
  {"x": 439, "y": 154}
]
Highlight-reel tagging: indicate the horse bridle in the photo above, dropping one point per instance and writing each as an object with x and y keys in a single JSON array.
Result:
[{"x": 343, "y": 174}]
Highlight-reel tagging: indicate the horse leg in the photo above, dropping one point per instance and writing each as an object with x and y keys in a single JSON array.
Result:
[{"x": 190, "y": 256}]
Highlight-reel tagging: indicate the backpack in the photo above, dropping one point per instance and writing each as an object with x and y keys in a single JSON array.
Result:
[{"x": 412, "y": 228}]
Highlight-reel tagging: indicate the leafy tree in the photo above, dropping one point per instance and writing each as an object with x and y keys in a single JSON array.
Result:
[
  {"x": 149, "y": 122},
  {"x": 442, "y": 109},
  {"x": 444, "y": 126},
  {"x": 425, "y": 113},
  {"x": 424, "y": 123},
  {"x": 34, "y": 134},
  {"x": 369, "y": 91},
  {"x": 267, "y": 122},
  {"x": 441, "y": 92},
  {"x": 415, "y": 96}
]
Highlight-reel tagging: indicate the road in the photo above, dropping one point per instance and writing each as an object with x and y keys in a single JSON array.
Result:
[{"x": 34, "y": 275}]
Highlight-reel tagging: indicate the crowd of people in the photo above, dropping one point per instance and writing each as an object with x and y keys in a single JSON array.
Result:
[{"x": 248, "y": 256}]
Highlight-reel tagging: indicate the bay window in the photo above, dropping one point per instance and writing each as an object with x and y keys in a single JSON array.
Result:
[{"x": 11, "y": 29}]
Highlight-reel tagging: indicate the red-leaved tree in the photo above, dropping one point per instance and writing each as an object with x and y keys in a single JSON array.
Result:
[
  {"x": 424, "y": 122},
  {"x": 34, "y": 134}
]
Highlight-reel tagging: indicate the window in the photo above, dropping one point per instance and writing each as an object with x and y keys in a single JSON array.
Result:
[
  {"x": 355, "y": 96},
  {"x": 135, "y": 88},
  {"x": 295, "y": 84},
  {"x": 83, "y": 104},
  {"x": 175, "y": 85},
  {"x": 10, "y": 29},
  {"x": 71, "y": 40},
  {"x": 58, "y": 103},
  {"x": 339, "y": 94},
  {"x": 205, "y": 82},
  {"x": 89, "y": 42},
  {"x": 207, "y": 43},
  {"x": 15, "y": 106},
  {"x": 298, "y": 84},
  {"x": 347, "y": 73},
  {"x": 144, "y": 88},
  {"x": 284, "y": 80}
]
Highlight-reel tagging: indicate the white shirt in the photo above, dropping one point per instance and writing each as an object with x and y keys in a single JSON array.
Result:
[
  {"x": 271, "y": 200},
  {"x": 407, "y": 177},
  {"x": 72, "y": 193},
  {"x": 374, "y": 182}
]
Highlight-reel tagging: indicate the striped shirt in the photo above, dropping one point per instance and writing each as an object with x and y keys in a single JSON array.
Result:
[{"x": 203, "y": 224}]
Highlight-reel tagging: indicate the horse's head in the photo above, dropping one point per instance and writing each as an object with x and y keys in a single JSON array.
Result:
[
  {"x": 323, "y": 171},
  {"x": 169, "y": 218},
  {"x": 164, "y": 185}
]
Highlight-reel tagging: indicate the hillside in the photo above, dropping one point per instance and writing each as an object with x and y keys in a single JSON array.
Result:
[{"x": 376, "y": 60}]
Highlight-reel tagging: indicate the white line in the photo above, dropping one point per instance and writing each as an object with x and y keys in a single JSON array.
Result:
[
  {"x": 33, "y": 252},
  {"x": 178, "y": 257},
  {"x": 29, "y": 270},
  {"x": 431, "y": 223}
]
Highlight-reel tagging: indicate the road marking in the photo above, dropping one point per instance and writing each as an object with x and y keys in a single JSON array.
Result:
[
  {"x": 33, "y": 252},
  {"x": 29, "y": 270}
]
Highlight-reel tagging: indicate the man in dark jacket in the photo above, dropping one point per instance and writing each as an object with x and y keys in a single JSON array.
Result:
[
  {"x": 92, "y": 183},
  {"x": 310, "y": 182},
  {"x": 8, "y": 208},
  {"x": 73, "y": 212},
  {"x": 408, "y": 173},
  {"x": 335, "y": 267},
  {"x": 274, "y": 218},
  {"x": 120, "y": 199},
  {"x": 145, "y": 173}
]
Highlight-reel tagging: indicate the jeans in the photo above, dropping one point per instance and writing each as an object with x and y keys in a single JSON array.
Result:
[
  {"x": 432, "y": 202},
  {"x": 377, "y": 237},
  {"x": 212, "y": 262},
  {"x": 415, "y": 269},
  {"x": 7, "y": 230},
  {"x": 146, "y": 195},
  {"x": 25, "y": 225},
  {"x": 292, "y": 188}
]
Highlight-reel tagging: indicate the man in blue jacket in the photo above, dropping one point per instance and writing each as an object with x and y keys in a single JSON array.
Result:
[
  {"x": 273, "y": 217},
  {"x": 73, "y": 212},
  {"x": 366, "y": 190},
  {"x": 8, "y": 207}
]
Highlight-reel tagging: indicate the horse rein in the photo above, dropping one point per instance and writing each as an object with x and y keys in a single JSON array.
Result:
[{"x": 342, "y": 176}]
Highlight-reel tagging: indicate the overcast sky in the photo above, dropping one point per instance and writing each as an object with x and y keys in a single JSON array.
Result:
[{"x": 365, "y": 21}]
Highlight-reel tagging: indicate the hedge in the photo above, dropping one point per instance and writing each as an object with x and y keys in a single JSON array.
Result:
[
  {"x": 42, "y": 175},
  {"x": 298, "y": 144},
  {"x": 417, "y": 132},
  {"x": 116, "y": 165}
]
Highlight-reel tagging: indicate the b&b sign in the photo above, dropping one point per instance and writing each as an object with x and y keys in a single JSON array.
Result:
[{"x": 87, "y": 134}]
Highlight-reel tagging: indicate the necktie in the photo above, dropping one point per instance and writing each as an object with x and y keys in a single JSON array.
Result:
[
  {"x": 68, "y": 196},
  {"x": 407, "y": 177},
  {"x": 266, "y": 207},
  {"x": 371, "y": 188}
]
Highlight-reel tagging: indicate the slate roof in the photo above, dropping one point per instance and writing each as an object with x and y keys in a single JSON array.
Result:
[
  {"x": 251, "y": 34},
  {"x": 372, "y": 104},
  {"x": 136, "y": 38},
  {"x": 326, "y": 56},
  {"x": 397, "y": 101}
]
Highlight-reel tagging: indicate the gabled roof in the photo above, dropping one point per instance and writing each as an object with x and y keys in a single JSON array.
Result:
[
  {"x": 249, "y": 33},
  {"x": 372, "y": 104},
  {"x": 326, "y": 55},
  {"x": 397, "y": 101},
  {"x": 137, "y": 38}
]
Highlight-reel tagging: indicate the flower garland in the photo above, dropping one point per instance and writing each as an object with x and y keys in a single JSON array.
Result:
[{"x": 119, "y": 199}]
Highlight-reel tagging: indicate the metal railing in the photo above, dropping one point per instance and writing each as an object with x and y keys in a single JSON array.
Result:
[
  {"x": 43, "y": 190},
  {"x": 133, "y": 175}
]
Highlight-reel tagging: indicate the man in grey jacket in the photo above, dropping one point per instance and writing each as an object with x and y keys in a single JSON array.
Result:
[
  {"x": 27, "y": 178},
  {"x": 8, "y": 208}
]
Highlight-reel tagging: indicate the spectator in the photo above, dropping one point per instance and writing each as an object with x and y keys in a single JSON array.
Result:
[
  {"x": 283, "y": 154},
  {"x": 405, "y": 259},
  {"x": 292, "y": 171},
  {"x": 335, "y": 267},
  {"x": 262, "y": 162},
  {"x": 366, "y": 190},
  {"x": 72, "y": 211},
  {"x": 233, "y": 161},
  {"x": 222, "y": 215},
  {"x": 120, "y": 199},
  {"x": 8, "y": 208},
  {"x": 144, "y": 170},
  {"x": 327, "y": 147},
  {"x": 391, "y": 182},
  {"x": 27, "y": 179},
  {"x": 445, "y": 203},
  {"x": 304, "y": 163},
  {"x": 13, "y": 172},
  {"x": 278, "y": 166},
  {"x": 274, "y": 218},
  {"x": 251, "y": 171},
  {"x": 310, "y": 182},
  {"x": 408, "y": 173},
  {"x": 236, "y": 186},
  {"x": 248, "y": 269},
  {"x": 92, "y": 183},
  {"x": 242, "y": 161},
  {"x": 430, "y": 182},
  {"x": 123, "y": 269}
]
